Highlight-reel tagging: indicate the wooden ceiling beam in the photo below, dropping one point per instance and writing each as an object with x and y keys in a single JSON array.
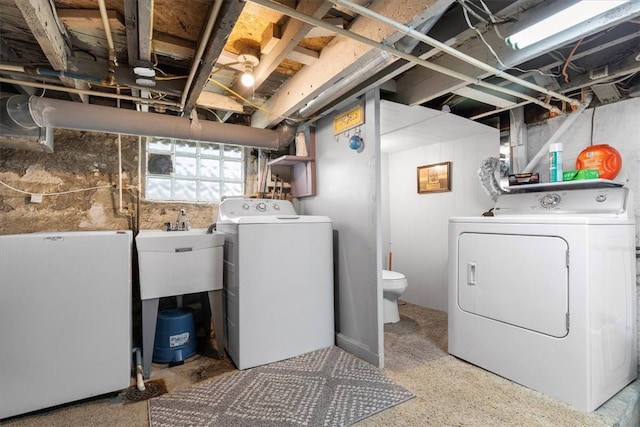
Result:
[
  {"x": 343, "y": 57},
  {"x": 145, "y": 29},
  {"x": 227, "y": 17},
  {"x": 45, "y": 26},
  {"x": 131, "y": 29},
  {"x": 42, "y": 20},
  {"x": 293, "y": 32},
  {"x": 83, "y": 19}
]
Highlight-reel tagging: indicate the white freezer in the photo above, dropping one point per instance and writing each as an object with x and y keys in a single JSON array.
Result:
[{"x": 65, "y": 318}]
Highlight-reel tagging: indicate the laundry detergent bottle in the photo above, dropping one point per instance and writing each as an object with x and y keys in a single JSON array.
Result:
[{"x": 555, "y": 162}]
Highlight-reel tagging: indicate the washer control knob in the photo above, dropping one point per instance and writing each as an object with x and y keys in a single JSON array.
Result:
[
  {"x": 261, "y": 207},
  {"x": 550, "y": 201},
  {"x": 245, "y": 206},
  {"x": 276, "y": 207},
  {"x": 601, "y": 198}
]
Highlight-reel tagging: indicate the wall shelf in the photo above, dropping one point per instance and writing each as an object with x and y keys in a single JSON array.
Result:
[
  {"x": 303, "y": 168},
  {"x": 290, "y": 160}
]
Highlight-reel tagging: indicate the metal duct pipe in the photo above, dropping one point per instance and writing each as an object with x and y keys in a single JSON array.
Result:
[{"x": 45, "y": 112}]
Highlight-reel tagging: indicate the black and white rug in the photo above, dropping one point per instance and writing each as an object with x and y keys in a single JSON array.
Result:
[{"x": 327, "y": 387}]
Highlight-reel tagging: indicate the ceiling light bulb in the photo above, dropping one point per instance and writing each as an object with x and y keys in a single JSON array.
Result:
[
  {"x": 567, "y": 18},
  {"x": 248, "y": 62},
  {"x": 247, "y": 79}
]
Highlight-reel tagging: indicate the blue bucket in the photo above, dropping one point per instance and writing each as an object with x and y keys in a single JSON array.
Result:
[{"x": 175, "y": 336}]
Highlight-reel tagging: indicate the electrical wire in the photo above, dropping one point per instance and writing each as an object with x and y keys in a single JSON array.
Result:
[
  {"x": 211, "y": 111},
  {"x": 466, "y": 10},
  {"x": 617, "y": 81},
  {"x": 56, "y": 193},
  {"x": 593, "y": 116},
  {"x": 251, "y": 103},
  {"x": 566, "y": 63},
  {"x": 170, "y": 78}
]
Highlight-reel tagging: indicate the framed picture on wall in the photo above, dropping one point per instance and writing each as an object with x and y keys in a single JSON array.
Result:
[{"x": 434, "y": 178}]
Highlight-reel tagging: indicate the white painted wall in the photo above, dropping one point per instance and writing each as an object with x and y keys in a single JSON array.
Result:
[
  {"x": 616, "y": 124},
  {"x": 348, "y": 192},
  {"x": 417, "y": 224}
]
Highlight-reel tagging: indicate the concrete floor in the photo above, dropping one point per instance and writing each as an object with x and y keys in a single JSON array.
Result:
[{"x": 448, "y": 391}]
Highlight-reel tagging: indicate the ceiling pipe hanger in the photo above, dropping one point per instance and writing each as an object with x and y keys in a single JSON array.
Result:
[
  {"x": 433, "y": 66},
  {"x": 453, "y": 52}
]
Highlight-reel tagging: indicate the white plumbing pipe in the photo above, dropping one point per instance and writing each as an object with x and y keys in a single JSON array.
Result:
[
  {"x": 451, "y": 51},
  {"x": 197, "y": 58},
  {"x": 139, "y": 380},
  {"x": 556, "y": 136},
  {"x": 12, "y": 68},
  {"x": 400, "y": 54},
  {"x": 107, "y": 27},
  {"x": 90, "y": 92}
]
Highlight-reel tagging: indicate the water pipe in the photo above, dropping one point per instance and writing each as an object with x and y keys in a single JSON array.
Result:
[
  {"x": 544, "y": 150},
  {"x": 139, "y": 381}
]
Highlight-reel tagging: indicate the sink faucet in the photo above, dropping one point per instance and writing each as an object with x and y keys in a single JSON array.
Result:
[{"x": 178, "y": 226}]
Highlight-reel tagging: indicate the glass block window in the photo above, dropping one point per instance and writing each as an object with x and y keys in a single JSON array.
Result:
[{"x": 193, "y": 171}]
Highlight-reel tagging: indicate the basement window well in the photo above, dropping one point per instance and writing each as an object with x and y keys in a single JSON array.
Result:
[{"x": 192, "y": 171}]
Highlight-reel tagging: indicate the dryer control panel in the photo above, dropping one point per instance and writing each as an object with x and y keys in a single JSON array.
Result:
[
  {"x": 592, "y": 201},
  {"x": 235, "y": 208}
]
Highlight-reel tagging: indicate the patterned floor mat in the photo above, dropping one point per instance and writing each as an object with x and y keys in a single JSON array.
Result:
[{"x": 327, "y": 387}]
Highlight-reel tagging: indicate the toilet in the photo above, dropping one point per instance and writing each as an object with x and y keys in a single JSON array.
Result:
[{"x": 393, "y": 285}]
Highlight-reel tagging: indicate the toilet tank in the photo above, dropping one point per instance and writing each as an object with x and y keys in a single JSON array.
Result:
[{"x": 179, "y": 262}]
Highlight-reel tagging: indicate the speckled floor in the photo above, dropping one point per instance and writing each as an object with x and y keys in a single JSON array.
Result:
[{"x": 449, "y": 392}]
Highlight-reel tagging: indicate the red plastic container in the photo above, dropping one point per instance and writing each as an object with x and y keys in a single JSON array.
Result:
[{"x": 602, "y": 157}]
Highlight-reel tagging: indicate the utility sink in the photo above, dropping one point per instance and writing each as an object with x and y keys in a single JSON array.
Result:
[{"x": 179, "y": 262}]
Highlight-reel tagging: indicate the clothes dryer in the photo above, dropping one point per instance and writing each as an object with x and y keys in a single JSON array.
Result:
[
  {"x": 543, "y": 293},
  {"x": 278, "y": 281}
]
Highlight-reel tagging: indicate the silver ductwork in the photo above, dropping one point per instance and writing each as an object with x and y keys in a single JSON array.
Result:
[
  {"x": 35, "y": 112},
  {"x": 16, "y": 128}
]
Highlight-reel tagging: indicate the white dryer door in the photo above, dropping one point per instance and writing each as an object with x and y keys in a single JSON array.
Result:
[{"x": 515, "y": 279}]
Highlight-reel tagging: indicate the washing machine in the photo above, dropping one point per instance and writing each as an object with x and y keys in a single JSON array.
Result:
[
  {"x": 543, "y": 292},
  {"x": 278, "y": 281}
]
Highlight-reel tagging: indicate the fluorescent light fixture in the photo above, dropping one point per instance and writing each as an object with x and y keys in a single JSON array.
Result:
[{"x": 567, "y": 18}]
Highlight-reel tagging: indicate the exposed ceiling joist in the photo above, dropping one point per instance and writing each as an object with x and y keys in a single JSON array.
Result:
[
  {"x": 145, "y": 29},
  {"x": 44, "y": 24},
  {"x": 217, "y": 101},
  {"x": 42, "y": 20},
  {"x": 341, "y": 58},
  {"x": 294, "y": 31},
  {"x": 227, "y": 17},
  {"x": 420, "y": 85},
  {"x": 484, "y": 97},
  {"x": 131, "y": 28}
]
